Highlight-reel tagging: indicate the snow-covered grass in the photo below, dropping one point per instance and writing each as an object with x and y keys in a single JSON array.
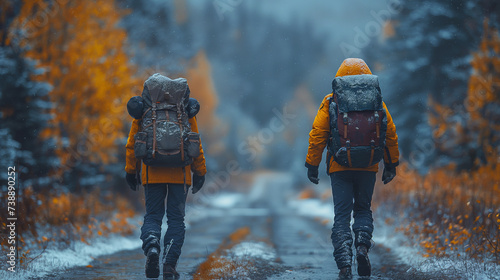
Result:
[
  {"x": 79, "y": 254},
  {"x": 412, "y": 254},
  {"x": 62, "y": 229}
]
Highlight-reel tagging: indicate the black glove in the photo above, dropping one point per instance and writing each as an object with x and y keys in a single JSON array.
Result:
[
  {"x": 389, "y": 173},
  {"x": 198, "y": 182},
  {"x": 312, "y": 173},
  {"x": 131, "y": 181}
]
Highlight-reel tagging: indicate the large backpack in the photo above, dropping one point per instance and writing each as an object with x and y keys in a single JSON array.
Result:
[
  {"x": 165, "y": 137},
  {"x": 358, "y": 122}
]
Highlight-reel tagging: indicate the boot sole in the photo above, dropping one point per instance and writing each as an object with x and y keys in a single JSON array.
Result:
[
  {"x": 364, "y": 267},
  {"x": 171, "y": 277},
  {"x": 153, "y": 266},
  {"x": 345, "y": 277}
]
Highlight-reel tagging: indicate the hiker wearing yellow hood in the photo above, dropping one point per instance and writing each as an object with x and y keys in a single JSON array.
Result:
[{"x": 353, "y": 182}]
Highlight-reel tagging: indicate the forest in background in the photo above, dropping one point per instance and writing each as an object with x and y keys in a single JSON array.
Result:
[{"x": 67, "y": 69}]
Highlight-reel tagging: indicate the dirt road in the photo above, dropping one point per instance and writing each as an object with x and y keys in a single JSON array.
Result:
[{"x": 279, "y": 243}]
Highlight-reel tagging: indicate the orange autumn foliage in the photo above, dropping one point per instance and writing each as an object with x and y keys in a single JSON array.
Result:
[
  {"x": 306, "y": 194},
  {"x": 449, "y": 213},
  {"x": 81, "y": 48},
  {"x": 199, "y": 76},
  {"x": 66, "y": 217},
  {"x": 484, "y": 93}
]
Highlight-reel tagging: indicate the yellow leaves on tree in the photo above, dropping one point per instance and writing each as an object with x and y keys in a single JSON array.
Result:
[
  {"x": 199, "y": 76},
  {"x": 80, "y": 46}
]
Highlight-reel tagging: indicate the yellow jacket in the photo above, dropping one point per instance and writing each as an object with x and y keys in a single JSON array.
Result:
[
  {"x": 172, "y": 175},
  {"x": 320, "y": 133}
]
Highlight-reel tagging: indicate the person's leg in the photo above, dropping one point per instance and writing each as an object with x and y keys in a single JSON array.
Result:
[
  {"x": 363, "y": 221},
  {"x": 176, "y": 204},
  {"x": 342, "y": 189},
  {"x": 155, "y": 209}
]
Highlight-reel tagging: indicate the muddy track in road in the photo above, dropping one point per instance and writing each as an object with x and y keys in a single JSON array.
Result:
[{"x": 301, "y": 245}]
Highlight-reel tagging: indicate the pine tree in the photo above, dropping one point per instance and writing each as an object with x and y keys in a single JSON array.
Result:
[
  {"x": 427, "y": 56},
  {"x": 471, "y": 136},
  {"x": 24, "y": 113}
]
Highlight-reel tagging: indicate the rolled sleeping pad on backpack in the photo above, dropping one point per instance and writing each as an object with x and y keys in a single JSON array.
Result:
[
  {"x": 193, "y": 107},
  {"x": 135, "y": 106}
]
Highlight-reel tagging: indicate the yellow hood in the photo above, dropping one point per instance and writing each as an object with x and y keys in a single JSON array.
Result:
[{"x": 353, "y": 66}]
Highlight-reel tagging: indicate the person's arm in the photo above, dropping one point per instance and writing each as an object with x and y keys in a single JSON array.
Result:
[
  {"x": 198, "y": 166},
  {"x": 131, "y": 161},
  {"x": 391, "y": 153},
  {"x": 318, "y": 137}
]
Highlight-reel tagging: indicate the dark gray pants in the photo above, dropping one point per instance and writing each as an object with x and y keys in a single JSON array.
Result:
[
  {"x": 155, "y": 209},
  {"x": 352, "y": 193}
]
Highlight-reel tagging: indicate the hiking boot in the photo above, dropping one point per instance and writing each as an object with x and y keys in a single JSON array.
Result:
[
  {"x": 153, "y": 263},
  {"x": 345, "y": 273},
  {"x": 169, "y": 272},
  {"x": 364, "y": 267}
]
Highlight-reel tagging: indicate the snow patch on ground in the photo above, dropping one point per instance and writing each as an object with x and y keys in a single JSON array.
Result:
[
  {"x": 388, "y": 236},
  {"x": 253, "y": 250},
  {"x": 226, "y": 200},
  {"x": 243, "y": 260},
  {"x": 80, "y": 254},
  {"x": 221, "y": 205},
  {"x": 313, "y": 208}
]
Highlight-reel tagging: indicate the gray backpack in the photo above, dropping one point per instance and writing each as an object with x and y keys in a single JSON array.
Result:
[{"x": 165, "y": 137}]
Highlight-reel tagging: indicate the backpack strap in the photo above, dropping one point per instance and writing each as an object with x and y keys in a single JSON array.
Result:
[
  {"x": 348, "y": 147},
  {"x": 153, "y": 118},
  {"x": 330, "y": 138},
  {"x": 372, "y": 145},
  {"x": 147, "y": 176},
  {"x": 348, "y": 142},
  {"x": 377, "y": 123},
  {"x": 346, "y": 122},
  {"x": 180, "y": 110}
]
